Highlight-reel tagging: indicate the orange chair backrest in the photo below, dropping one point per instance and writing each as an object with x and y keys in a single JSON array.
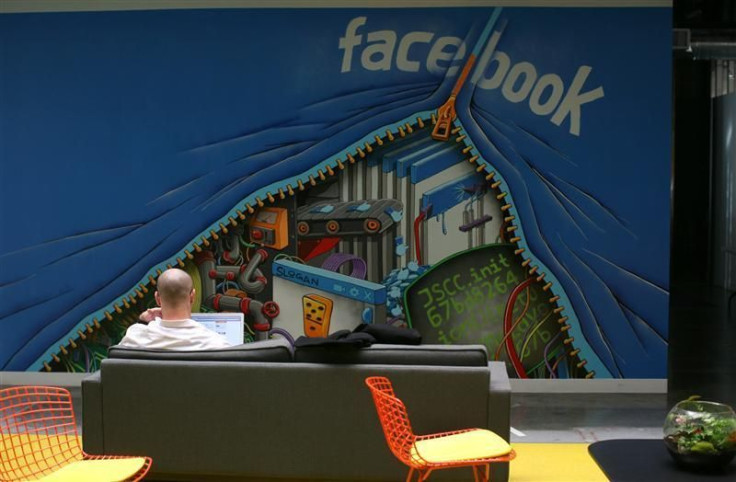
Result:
[
  {"x": 394, "y": 419},
  {"x": 38, "y": 432}
]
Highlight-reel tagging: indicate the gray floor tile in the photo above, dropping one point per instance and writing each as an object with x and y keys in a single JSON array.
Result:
[{"x": 586, "y": 418}]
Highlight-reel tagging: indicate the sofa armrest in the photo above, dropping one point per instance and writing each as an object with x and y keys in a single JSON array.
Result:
[
  {"x": 92, "y": 429},
  {"x": 499, "y": 400},
  {"x": 499, "y": 413}
]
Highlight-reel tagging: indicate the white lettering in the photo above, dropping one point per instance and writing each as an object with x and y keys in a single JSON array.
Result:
[
  {"x": 385, "y": 41},
  {"x": 402, "y": 56},
  {"x": 530, "y": 76},
  {"x": 574, "y": 99},
  {"x": 439, "y": 54},
  {"x": 547, "y": 80},
  {"x": 503, "y": 61},
  {"x": 546, "y": 94},
  {"x": 510, "y": 75},
  {"x": 485, "y": 59},
  {"x": 349, "y": 41}
]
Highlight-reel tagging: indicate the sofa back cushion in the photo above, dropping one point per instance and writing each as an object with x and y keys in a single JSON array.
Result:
[
  {"x": 276, "y": 350},
  {"x": 276, "y": 421},
  {"x": 431, "y": 355}
]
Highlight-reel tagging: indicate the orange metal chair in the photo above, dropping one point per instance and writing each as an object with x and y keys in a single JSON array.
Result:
[
  {"x": 476, "y": 448},
  {"x": 38, "y": 441}
]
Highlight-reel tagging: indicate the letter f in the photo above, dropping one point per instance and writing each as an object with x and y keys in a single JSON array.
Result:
[{"x": 349, "y": 41}]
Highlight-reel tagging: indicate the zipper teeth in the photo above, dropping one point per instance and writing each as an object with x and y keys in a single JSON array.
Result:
[
  {"x": 329, "y": 170},
  {"x": 511, "y": 230},
  {"x": 125, "y": 302}
]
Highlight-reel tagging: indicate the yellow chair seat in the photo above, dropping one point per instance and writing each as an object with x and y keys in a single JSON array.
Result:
[
  {"x": 470, "y": 445},
  {"x": 111, "y": 470}
]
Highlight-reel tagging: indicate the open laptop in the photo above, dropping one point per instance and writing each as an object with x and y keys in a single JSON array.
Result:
[{"x": 229, "y": 325}]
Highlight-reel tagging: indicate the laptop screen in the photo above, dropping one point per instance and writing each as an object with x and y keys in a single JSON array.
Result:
[{"x": 229, "y": 325}]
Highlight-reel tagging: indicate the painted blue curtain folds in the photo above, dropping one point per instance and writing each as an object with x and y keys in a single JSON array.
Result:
[{"x": 125, "y": 135}]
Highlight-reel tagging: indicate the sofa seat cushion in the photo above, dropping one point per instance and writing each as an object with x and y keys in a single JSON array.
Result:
[
  {"x": 276, "y": 350},
  {"x": 380, "y": 354}
]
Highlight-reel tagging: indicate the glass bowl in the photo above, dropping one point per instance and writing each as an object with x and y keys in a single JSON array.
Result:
[{"x": 700, "y": 434}]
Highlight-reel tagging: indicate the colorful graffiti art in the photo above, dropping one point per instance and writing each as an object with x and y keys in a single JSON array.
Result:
[{"x": 482, "y": 175}]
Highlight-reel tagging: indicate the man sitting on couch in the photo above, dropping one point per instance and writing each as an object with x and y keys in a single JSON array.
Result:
[{"x": 170, "y": 326}]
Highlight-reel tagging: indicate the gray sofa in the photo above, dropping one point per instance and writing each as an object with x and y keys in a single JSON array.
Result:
[{"x": 262, "y": 411}]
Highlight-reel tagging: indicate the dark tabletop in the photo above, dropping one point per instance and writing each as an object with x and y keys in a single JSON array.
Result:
[{"x": 631, "y": 460}]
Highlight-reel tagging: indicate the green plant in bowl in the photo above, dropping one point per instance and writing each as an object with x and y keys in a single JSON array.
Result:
[{"x": 701, "y": 434}]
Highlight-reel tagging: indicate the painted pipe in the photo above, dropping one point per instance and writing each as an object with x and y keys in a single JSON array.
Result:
[
  {"x": 232, "y": 255},
  {"x": 251, "y": 279},
  {"x": 205, "y": 261},
  {"x": 262, "y": 313}
]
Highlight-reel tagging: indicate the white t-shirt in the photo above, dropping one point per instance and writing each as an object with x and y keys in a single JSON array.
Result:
[{"x": 181, "y": 335}]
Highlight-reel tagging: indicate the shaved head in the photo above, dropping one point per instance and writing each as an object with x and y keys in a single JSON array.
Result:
[{"x": 174, "y": 287}]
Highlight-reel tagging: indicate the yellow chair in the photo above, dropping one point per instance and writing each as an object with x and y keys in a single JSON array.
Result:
[
  {"x": 38, "y": 441},
  {"x": 474, "y": 448}
]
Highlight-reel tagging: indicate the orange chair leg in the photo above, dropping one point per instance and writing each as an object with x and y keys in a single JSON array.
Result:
[
  {"x": 421, "y": 476},
  {"x": 482, "y": 475}
]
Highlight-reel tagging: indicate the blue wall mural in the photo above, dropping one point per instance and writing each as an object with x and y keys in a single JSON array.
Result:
[{"x": 277, "y": 141}]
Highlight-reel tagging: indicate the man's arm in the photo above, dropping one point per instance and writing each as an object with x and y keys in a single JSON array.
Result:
[{"x": 150, "y": 315}]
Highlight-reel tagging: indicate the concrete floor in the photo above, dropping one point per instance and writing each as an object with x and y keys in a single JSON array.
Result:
[
  {"x": 586, "y": 418},
  {"x": 564, "y": 417},
  {"x": 568, "y": 417}
]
